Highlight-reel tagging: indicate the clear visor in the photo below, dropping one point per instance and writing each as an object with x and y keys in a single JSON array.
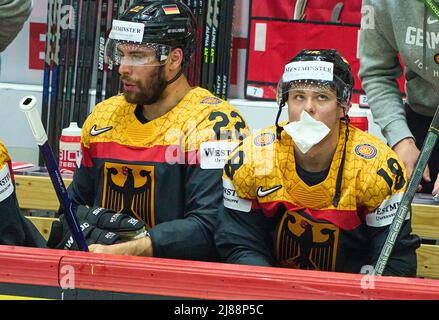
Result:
[
  {"x": 135, "y": 54},
  {"x": 319, "y": 91}
]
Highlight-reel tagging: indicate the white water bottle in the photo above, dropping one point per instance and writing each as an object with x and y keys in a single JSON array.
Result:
[
  {"x": 358, "y": 118},
  {"x": 70, "y": 149}
]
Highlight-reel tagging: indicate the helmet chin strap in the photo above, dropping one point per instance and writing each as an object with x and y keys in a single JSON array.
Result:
[
  {"x": 279, "y": 129},
  {"x": 178, "y": 75},
  {"x": 345, "y": 115},
  {"x": 337, "y": 195}
]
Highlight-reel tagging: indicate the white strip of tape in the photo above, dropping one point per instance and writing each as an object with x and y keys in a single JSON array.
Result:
[
  {"x": 127, "y": 31},
  {"x": 309, "y": 70}
]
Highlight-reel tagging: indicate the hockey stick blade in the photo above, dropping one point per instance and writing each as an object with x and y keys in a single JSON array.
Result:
[{"x": 28, "y": 106}]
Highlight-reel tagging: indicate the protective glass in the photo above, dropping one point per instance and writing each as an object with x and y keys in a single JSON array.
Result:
[
  {"x": 135, "y": 54},
  {"x": 313, "y": 76},
  {"x": 321, "y": 92}
]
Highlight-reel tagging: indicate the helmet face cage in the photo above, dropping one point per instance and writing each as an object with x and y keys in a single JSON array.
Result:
[
  {"x": 119, "y": 52},
  {"x": 333, "y": 90}
]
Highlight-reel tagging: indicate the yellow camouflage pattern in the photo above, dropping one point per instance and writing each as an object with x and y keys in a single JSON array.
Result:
[
  {"x": 272, "y": 164},
  {"x": 190, "y": 121},
  {"x": 4, "y": 156}
]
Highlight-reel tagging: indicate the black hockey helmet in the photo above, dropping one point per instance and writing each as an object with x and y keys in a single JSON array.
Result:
[
  {"x": 316, "y": 67},
  {"x": 341, "y": 79},
  {"x": 162, "y": 25}
]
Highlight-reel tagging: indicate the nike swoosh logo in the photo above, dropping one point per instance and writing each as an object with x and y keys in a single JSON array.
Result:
[
  {"x": 263, "y": 193},
  {"x": 95, "y": 132},
  {"x": 430, "y": 20}
]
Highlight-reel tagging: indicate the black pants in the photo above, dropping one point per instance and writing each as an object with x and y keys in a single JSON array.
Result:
[{"x": 419, "y": 125}]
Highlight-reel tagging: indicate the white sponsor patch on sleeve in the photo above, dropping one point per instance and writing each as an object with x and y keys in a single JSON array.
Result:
[
  {"x": 384, "y": 214},
  {"x": 214, "y": 154},
  {"x": 231, "y": 199},
  {"x": 6, "y": 185},
  {"x": 127, "y": 31},
  {"x": 305, "y": 70}
]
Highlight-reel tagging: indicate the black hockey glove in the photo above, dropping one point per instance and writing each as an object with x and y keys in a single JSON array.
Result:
[{"x": 99, "y": 226}]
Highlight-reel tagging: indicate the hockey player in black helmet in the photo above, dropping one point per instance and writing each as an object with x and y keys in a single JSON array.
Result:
[
  {"x": 157, "y": 151},
  {"x": 340, "y": 83},
  {"x": 154, "y": 34},
  {"x": 314, "y": 193}
]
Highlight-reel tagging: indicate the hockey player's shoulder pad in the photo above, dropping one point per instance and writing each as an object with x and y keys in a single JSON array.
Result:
[{"x": 4, "y": 157}]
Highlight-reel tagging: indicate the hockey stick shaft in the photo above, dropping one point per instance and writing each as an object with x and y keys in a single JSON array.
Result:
[
  {"x": 213, "y": 46},
  {"x": 81, "y": 38},
  {"x": 111, "y": 71},
  {"x": 228, "y": 49},
  {"x": 220, "y": 47},
  {"x": 28, "y": 106},
  {"x": 71, "y": 62},
  {"x": 407, "y": 198},
  {"x": 47, "y": 63},
  {"x": 201, "y": 17},
  {"x": 47, "y": 69},
  {"x": 88, "y": 66},
  {"x": 206, "y": 45},
  {"x": 53, "y": 134},
  {"x": 101, "y": 51},
  {"x": 115, "y": 78}
]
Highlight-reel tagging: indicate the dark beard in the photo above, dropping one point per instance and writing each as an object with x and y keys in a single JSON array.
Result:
[{"x": 151, "y": 93}]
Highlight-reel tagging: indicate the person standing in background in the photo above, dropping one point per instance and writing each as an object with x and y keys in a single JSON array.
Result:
[
  {"x": 407, "y": 31},
  {"x": 13, "y": 15},
  {"x": 14, "y": 228}
]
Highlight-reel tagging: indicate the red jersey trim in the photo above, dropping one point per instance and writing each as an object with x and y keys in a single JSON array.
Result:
[
  {"x": 86, "y": 160},
  {"x": 344, "y": 219},
  {"x": 160, "y": 154},
  {"x": 11, "y": 172}
]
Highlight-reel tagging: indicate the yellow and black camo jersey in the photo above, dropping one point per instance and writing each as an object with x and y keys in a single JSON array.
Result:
[
  {"x": 166, "y": 172},
  {"x": 14, "y": 228},
  {"x": 7, "y": 187},
  {"x": 297, "y": 225},
  {"x": 4, "y": 156}
]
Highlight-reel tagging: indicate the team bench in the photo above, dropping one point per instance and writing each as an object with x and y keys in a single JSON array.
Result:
[{"x": 36, "y": 192}]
